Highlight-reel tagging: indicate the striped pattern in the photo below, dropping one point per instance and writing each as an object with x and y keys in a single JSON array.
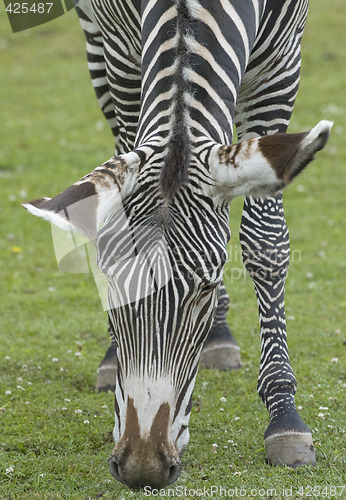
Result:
[
  {"x": 173, "y": 289},
  {"x": 265, "y": 105},
  {"x": 113, "y": 36},
  {"x": 266, "y": 257},
  {"x": 178, "y": 74},
  {"x": 270, "y": 84}
]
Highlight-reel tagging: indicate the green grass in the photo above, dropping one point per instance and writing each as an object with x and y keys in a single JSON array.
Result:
[{"x": 51, "y": 134}]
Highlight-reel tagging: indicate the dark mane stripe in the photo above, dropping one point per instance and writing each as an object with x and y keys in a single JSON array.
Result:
[{"x": 175, "y": 168}]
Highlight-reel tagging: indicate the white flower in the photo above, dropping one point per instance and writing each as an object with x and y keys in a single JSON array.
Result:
[
  {"x": 19, "y": 379},
  {"x": 9, "y": 470},
  {"x": 323, "y": 408},
  {"x": 223, "y": 399},
  {"x": 55, "y": 360},
  {"x": 299, "y": 407},
  {"x": 67, "y": 400},
  {"x": 86, "y": 422},
  {"x": 321, "y": 415},
  {"x": 335, "y": 360},
  {"x": 78, "y": 411},
  {"x": 64, "y": 408},
  {"x": 8, "y": 393},
  {"x": 77, "y": 353},
  {"x": 7, "y": 358},
  {"x": 236, "y": 418},
  {"x": 215, "y": 445},
  {"x": 20, "y": 388}
]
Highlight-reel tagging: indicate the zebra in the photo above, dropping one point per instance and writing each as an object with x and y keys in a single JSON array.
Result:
[{"x": 173, "y": 77}]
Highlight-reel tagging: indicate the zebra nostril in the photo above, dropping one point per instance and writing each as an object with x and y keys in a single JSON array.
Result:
[
  {"x": 114, "y": 468},
  {"x": 174, "y": 472}
]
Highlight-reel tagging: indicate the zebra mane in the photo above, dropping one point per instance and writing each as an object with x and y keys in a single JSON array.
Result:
[{"x": 174, "y": 172}]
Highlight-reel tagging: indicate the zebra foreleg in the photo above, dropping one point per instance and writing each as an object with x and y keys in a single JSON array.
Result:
[
  {"x": 220, "y": 349},
  {"x": 265, "y": 245}
]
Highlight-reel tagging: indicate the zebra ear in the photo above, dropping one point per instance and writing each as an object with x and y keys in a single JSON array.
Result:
[
  {"x": 261, "y": 167},
  {"x": 85, "y": 205}
]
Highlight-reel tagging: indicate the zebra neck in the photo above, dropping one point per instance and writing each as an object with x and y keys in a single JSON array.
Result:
[
  {"x": 177, "y": 159},
  {"x": 164, "y": 109},
  {"x": 193, "y": 60}
]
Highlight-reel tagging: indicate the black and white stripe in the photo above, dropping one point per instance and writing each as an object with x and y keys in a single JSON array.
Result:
[{"x": 179, "y": 74}]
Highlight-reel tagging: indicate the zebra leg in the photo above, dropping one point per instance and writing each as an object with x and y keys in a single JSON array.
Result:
[
  {"x": 265, "y": 105},
  {"x": 220, "y": 349},
  {"x": 265, "y": 245}
]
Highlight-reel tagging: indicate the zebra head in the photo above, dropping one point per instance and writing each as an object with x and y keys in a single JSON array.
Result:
[{"x": 163, "y": 255}]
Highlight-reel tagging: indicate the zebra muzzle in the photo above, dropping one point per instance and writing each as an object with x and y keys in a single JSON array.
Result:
[
  {"x": 137, "y": 474},
  {"x": 145, "y": 460}
]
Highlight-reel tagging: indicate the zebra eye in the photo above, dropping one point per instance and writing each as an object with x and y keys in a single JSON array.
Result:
[{"x": 208, "y": 287}]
